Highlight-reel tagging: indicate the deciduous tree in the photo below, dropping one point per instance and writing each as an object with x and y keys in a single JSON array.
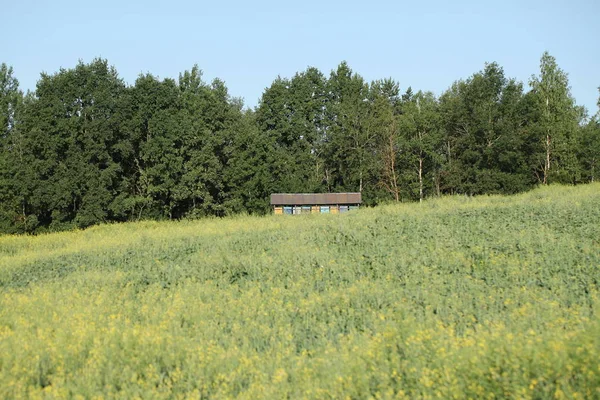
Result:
[{"x": 554, "y": 123}]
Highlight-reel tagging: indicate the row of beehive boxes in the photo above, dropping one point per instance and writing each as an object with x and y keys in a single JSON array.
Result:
[{"x": 331, "y": 209}]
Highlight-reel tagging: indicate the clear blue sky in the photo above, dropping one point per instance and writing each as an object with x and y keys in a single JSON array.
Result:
[{"x": 424, "y": 44}]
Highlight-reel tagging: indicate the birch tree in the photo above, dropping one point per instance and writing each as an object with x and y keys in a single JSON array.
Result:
[
  {"x": 420, "y": 128},
  {"x": 556, "y": 123}
]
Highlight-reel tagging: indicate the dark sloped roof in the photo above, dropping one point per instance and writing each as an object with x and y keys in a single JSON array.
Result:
[{"x": 299, "y": 199}]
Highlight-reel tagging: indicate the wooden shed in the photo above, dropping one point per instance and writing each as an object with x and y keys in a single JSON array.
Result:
[{"x": 315, "y": 203}]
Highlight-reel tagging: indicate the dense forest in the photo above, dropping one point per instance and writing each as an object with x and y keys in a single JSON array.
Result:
[{"x": 86, "y": 148}]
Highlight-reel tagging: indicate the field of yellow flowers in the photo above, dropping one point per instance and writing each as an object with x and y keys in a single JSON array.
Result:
[{"x": 487, "y": 297}]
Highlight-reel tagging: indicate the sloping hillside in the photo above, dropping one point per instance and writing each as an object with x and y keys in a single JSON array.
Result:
[{"x": 466, "y": 297}]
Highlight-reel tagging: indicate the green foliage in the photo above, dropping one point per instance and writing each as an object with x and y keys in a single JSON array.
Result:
[
  {"x": 383, "y": 114},
  {"x": 484, "y": 144},
  {"x": 85, "y": 148},
  {"x": 350, "y": 140},
  {"x": 9, "y": 98},
  {"x": 211, "y": 120},
  {"x": 70, "y": 133},
  {"x": 485, "y": 297},
  {"x": 421, "y": 151},
  {"x": 249, "y": 174},
  {"x": 555, "y": 124},
  {"x": 589, "y": 150},
  {"x": 15, "y": 171},
  {"x": 291, "y": 116},
  {"x": 156, "y": 139}
]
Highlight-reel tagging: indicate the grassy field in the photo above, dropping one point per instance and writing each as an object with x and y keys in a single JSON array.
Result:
[{"x": 489, "y": 297}]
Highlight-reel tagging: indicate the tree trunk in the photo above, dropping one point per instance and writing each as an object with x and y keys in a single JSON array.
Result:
[
  {"x": 393, "y": 170},
  {"x": 320, "y": 181},
  {"x": 389, "y": 179},
  {"x": 420, "y": 179},
  {"x": 547, "y": 166},
  {"x": 140, "y": 213}
]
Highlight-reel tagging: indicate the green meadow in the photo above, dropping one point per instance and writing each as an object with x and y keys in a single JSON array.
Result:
[{"x": 457, "y": 297}]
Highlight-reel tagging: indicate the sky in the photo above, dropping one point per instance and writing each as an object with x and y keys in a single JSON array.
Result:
[{"x": 423, "y": 44}]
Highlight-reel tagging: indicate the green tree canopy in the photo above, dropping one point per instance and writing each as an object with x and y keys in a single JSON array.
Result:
[{"x": 554, "y": 124}]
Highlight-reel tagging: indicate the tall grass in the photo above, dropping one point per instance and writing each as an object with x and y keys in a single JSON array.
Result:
[{"x": 486, "y": 297}]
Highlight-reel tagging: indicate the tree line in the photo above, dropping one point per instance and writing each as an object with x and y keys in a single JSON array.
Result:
[{"x": 86, "y": 148}]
